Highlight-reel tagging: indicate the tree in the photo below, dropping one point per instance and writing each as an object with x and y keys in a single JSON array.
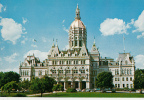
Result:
[
  {"x": 25, "y": 84},
  {"x": 37, "y": 85},
  {"x": 8, "y": 77},
  {"x": 10, "y": 86},
  {"x": 139, "y": 79},
  {"x": 41, "y": 85},
  {"x": 58, "y": 87},
  {"x": 48, "y": 83},
  {"x": 104, "y": 80}
]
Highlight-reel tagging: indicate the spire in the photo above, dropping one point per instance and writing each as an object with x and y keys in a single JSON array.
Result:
[
  {"x": 77, "y": 13},
  {"x": 53, "y": 43},
  {"x": 56, "y": 42},
  {"x": 94, "y": 41}
]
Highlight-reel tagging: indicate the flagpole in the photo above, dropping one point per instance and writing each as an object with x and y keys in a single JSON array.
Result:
[{"x": 123, "y": 43}]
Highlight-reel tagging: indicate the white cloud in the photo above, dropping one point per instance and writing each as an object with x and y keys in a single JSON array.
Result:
[
  {"x": 24, "y": 20},
  {"x": 0, "y": 59},
  {"x": 113, "y": 26},
  {"x": 2, "y": 48},
  {"x": 41, "y": 55},
  {"x": 33, "y": 45},
  {"x": 11, "y": 58},
  {"x": 1, "y": 7},
  {"x": 4, "y": 9},
  {"x": 10, "y": 30},
  {"x": 23, "y": 41},
  {"x": 64, "y": 28},
  {"x": 139, "y": 61},
  {"x": 44, "y": 39},
  {"x": 139, "y": 36},
  {"x": 63, "y": 21},
  {"x": 139, "y": 23},
  {"x": 66, "y": 47}
]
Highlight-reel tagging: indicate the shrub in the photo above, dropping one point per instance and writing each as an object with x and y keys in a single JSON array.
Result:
[
  {"x": 71, "y": 90},
  {"x": 132, "y": 89},
  {"x": 126, "y": 89},
  {"x": 119, "y": 89},
  {"x": 19, "y": 95},
  {"x": 113, "y": 91}
]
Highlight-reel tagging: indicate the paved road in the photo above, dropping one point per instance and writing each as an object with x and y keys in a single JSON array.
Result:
[{"x": 43, "y": 93}]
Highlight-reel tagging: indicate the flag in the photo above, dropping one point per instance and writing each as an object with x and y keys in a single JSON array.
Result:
[
  {"x": 34, "y": 40},
  {"x": 123, "y": 37}
]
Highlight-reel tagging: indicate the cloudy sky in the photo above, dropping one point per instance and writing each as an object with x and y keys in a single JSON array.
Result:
[{"x": 21, "y": 21}]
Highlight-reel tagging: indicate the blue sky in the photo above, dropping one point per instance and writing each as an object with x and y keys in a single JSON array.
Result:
[{"x": 21, "y": 21}]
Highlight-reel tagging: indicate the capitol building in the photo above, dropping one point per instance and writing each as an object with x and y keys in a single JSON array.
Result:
[{"x": 77, "y": 66}]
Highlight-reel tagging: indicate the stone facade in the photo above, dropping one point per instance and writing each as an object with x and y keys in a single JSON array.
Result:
[{"x": 77, "y": 67}]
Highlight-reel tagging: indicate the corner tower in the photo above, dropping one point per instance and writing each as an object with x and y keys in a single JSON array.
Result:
[{"x": 77, "y": 33}]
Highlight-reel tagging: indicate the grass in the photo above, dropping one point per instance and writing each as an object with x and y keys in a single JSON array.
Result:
[
  {"x": 95, "y": 94},
  {"x": 4, "y": 94}
]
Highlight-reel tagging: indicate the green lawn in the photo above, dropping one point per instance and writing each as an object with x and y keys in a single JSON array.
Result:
[
  {"x": 4, "y": 94},
  {"x": 94, "y": 94}
]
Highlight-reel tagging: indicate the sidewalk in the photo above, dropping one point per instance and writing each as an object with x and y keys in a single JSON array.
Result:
[{"x": 43, "y": 93}]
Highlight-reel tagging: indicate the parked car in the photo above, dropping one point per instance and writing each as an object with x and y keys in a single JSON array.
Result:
[
  {"x": 87, "y": 90},
  {"x": 78, "y": 90},
  {"x": 83, "y": 90},
  {"x": 92, "y": 90}
]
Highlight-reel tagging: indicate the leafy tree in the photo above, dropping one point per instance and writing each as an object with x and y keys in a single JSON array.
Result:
[
  {"x": 58, "y": 87},
  {"x": 104, "y": 80},
  {"x": 37, "y": 85},
  {"x": 41, "y": 85},
  {"x": 10, "y": 86},
  {"x": 139, "y": 79},
  {"x": 25, "y": 84},
  {"x": 8, "y": 77},
  {"x": 48, "y": 83}
]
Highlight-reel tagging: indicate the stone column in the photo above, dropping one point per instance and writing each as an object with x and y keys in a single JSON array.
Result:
[
  {"x": 64, "y": 85},
  {"x": 72, "y": 84},
  {"x": 80, "y": 85},
  {"x": 88, "y": 85}
]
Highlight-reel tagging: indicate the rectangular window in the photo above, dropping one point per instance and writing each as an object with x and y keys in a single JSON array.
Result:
[
  {"x": 67, "y": 71},
  {"x": 127, "y": 79},
  {"x": 123, "y": 85},
  {"x": 40, "y": 72},
  {"x": 54, "y": 71},
  {"x": 117, "y": 71},
  {"x": 127, "y": 71},
  {"x": 118, "y": 85},
  {"x": 76, "y": 61},
  {"x": 75, "y": 71},
  {"x": 130, "y": 78},
  {"x": 127, "y": 85},
  {"x": 67, "y": 62},
  {"x": 82, "y": 71},
  {"x": 115, "y": 79},
  {"x": 118, "y": 79},
  {"x": 72, "y": 43},
  {"x": 130, "y": 72},
  {"x": 123, "y": 79},
  {"x": 80, "y": 43},
  {"x": 76, "y": 43}
]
